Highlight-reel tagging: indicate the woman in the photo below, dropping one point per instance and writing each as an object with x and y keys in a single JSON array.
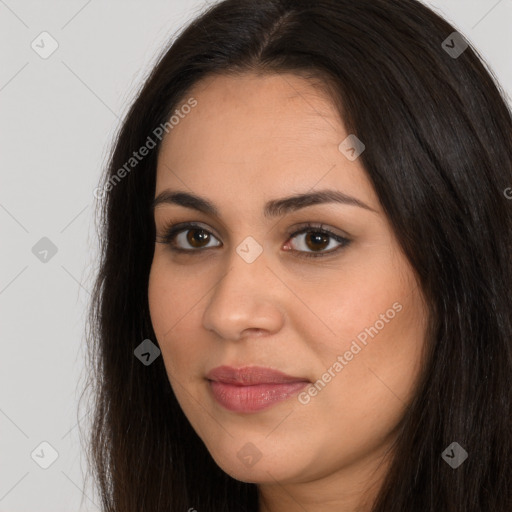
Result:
[{"x": 304, "y": 294}]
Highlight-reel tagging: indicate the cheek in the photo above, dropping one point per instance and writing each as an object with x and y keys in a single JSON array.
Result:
[
  {"x": 357, "y": 304},
  {"x": 365, "y": 399},
  {"x": 175, "y": 310},
  {"x": 170, "y": 296},
  {"x": 166, "y": 309},
  {"x": 380, "y": 377},
  {"x": 160, "y": 301},
  {"x": 375, "y": 321}
]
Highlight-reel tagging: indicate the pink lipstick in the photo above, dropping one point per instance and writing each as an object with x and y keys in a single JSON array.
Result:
[{"x": 252, "y": 388}]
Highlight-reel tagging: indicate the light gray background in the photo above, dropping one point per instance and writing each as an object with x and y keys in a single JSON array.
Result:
[{"x": 58, "y": 116}]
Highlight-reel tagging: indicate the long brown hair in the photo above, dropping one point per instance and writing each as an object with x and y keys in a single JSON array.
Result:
[{"x": 438, "y": 136}]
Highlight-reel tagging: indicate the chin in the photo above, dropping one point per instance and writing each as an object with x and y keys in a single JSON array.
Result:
[{"x": 250, "y": 465}]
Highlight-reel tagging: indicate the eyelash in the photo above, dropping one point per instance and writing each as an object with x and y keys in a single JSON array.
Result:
[{"x": 171, "y": 231}]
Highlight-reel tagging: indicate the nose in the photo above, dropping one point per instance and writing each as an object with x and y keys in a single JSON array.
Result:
[{"x": 245, "y": 300}]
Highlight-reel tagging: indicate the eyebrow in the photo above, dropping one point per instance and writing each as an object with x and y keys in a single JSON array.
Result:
[{"x": 273, "y": 208}]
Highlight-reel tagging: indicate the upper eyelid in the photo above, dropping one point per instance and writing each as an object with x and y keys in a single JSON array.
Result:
[
  {"x": 321, "y": 226},
  {"x": 179, "y": 227}
]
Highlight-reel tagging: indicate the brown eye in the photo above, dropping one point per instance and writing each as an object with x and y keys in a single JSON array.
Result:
[
  {"x": 316, "y": 240},
  {"x": 187, "y": 238},
  {"x": 313, "y": 240},
  {"x": 196, "y": 237}
]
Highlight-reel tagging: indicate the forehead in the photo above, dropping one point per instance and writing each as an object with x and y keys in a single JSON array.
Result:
[
  {"x": 254, "y": 108},
  {"x": 257, "y": 130}
]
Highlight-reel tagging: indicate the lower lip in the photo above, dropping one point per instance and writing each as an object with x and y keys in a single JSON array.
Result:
[{"x": 253, "y": 398}]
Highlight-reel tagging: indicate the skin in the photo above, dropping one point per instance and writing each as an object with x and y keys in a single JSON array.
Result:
[{"x": 250, "y": 139}]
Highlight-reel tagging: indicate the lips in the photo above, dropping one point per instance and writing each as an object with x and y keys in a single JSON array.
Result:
[
  {"x": 252, "y": 389},
  {"x": 251, "y": 375}
]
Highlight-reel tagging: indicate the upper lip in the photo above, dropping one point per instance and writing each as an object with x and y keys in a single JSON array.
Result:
[{"x": 251, "y": 375}]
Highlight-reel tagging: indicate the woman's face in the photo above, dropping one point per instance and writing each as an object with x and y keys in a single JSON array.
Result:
[{"x": 349, "y": 319}]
